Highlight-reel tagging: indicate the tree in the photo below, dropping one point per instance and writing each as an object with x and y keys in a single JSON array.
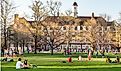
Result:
[
  {"x": 5, "y": 15},
  {"x": 116, "y": 35},
  {"x": 68, "y": 12},
  {"x": 99, "y": 35},
  {"x": 54, "y": 7},
  {"x": 39, "y": 14},
  {"x": 58, "y": 34},
  {"x": 106, "y": 17},
  {"x": 54, "y": 36},
  {"x": 38, "y": 27}
]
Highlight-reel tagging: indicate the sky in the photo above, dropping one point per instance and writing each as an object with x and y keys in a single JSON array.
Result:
[{"x": 85, "y": 7}]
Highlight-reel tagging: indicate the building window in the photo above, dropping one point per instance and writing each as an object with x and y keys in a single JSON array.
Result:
[
  {"x": 86, "y": 28},
  {"x": 51, "y": 28},
  {"x": 64, "y": 28},
  {"x": 76, "y": 28},
  {"x": 81, "y": 28},
  {"x": 81, "y": 22},
  {"x": 108, "y": 28},
  {"x": 40, "y": 28}
]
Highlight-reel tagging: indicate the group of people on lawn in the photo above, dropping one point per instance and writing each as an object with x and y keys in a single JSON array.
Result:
[
  {"x": 11, "y": 52},
  {"x": 24, "y": 65},
  {"x": 108, "y": 60}
]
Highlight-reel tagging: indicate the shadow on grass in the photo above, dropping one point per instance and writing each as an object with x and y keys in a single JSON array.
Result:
[{"x": 75, "y": 55}]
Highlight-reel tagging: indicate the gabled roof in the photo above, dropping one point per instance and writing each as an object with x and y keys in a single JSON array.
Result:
[
  {"x": 83, "y": 18},
  {"x": 65, "y": 18}
]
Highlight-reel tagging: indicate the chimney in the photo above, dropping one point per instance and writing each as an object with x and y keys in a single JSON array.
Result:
[
  {"x": 93, "y": 15},
  {"x": 16, "y": 16}
]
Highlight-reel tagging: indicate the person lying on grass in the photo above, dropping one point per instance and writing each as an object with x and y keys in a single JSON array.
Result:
[
  {"x": 7, "y": 59},
  {"x": 117, "y": 60}
]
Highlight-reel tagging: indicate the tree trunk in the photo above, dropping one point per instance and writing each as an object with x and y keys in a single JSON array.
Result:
[
  {"x": 81, "y": 47},
  {"x": 45, "y": 48},
  {"x": 23, "y": 46},
  {"x": 35, "y": 51},
  {"x": 17, "y": 42},
  {"x": 68, "y": 48},
  {"x": 5, "y": 38},
  {"x": 27, "y": 49},
  {"x": 17, "y": 46},
  {"x": 2, "y": 52},
  {"x": 51, "y": 50}
]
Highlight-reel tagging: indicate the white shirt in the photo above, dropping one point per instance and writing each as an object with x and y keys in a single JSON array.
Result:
[
  {"x": 18, "y": 65},
  {"x": 80, "y": 58},
  {"x": 10, "y": 52}
]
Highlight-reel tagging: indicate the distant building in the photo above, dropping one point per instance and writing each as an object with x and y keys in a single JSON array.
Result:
[{"x": 83, "y": 27}]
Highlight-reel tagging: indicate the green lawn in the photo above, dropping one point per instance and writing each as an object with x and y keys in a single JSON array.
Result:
[
  {"x": 58, "y": 69},
  {"x": 47, "y": 62}
]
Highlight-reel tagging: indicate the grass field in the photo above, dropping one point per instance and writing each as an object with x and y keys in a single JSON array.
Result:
[{"x": 47, "y": 62}]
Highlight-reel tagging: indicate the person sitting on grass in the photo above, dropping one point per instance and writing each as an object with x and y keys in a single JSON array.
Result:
[
  {"x": 118, "y": 59},
  {"x": 80, "y": 58},
  {"x": 19, "y": 64},
  {"x": 69, "y": 59},
  {"x": 96, "y": 54},
  {"x": 108, "y": 60},
  {"x": 26, "y": 65}
]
